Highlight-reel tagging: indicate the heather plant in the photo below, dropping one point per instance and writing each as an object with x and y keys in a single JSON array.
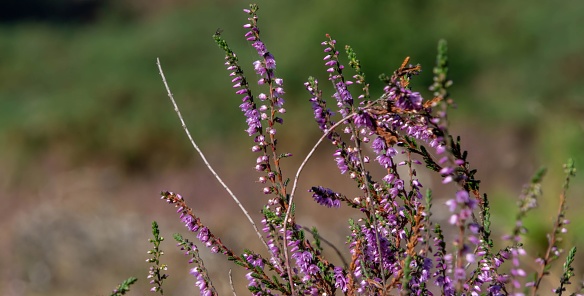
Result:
[{"x": 395, "y": 247}]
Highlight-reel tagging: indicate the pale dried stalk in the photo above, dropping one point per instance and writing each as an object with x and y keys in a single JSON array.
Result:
[
  {"x": 295, "y": 185},
  {"x": 184, "y": 126}
]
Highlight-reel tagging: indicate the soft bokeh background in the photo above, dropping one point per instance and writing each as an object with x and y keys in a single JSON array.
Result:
[{"x": 88, "y": 137}]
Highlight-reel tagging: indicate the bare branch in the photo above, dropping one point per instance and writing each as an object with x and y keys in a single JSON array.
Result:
[
  {"x": 184, "y": 126},
  {"x": 231, "y": 283},
  {"x": 308, "y": 156}
]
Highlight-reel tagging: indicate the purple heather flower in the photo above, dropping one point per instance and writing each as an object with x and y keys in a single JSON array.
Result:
[
  {"x": 252, "y": 282},
  {"x": 262, "y": 159},
  {"x": 340, "y": 279},
  {"x": 459, "y": 273},
  {"x": 496, "y": 290},
  {"x": 341, "y": 163},
  {"x": 440, "y": 149},
  {"x": 203, "y": 235},
  {"x": 325, "y": 197},
  {"x": 426, "y": 267},
  {"x": 371, "y": 251},
  {"x": 201, "y": 282},
  {"x": 443, "y": 160},
  {"x": 462, "y": 197},
  {"x": 274, "y": 249},
  {"x": 364, "y": 120},
  {"x": 254, "y": 260},
  {"x": 447, "y": 180},
  {"x": 190, "y": 222},
  {"x": 260, "y": 47},
  {"x": 265, "y": 68},
  {"x": 343, "y": 97},
  {"x": 446, "y": 170},
  {"x": 272, "y": 244},
  {"x": 408, "y": 100},
  {"x": 252, "y": 114},
  {"x": 304, "y": 262},
  {"x": 294, "y": 244},
  {"x": 454, "y": 219},
  {"x": 474, "y": 228},
  {"x": 259, "y": 68},
  {"x": 270, "y": 61}
]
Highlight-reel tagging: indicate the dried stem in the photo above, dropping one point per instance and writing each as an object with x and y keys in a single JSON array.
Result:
[
  {"x": 184, "y": 126},
  {"x": 231, "y": 283},
  {"x": 295, "y": 185}
]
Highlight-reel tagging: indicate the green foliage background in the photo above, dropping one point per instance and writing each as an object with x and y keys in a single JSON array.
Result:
[{"x": 88, "y": 95}]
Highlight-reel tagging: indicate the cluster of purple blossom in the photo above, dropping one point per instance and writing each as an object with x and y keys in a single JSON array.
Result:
[{"x": 395, "y": 246}]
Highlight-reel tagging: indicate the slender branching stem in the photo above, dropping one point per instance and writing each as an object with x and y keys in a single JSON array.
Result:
[{"x": 295, "y": 185}]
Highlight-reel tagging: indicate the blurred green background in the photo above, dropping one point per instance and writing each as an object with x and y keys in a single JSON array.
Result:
[{"x": 88, "y": 137}]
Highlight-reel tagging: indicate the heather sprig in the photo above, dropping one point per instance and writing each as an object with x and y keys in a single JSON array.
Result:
[
  {"x": 554, "y": 250},
  {"x": 359, "y": 76},
  {"x": 262, "y": 120},
  {"x": 194, "y": 224},
  {"x": 441, "y": 79},
  {"x": 394, "y": 245},
  {"x": 268, "y": 163},
  {"x": 199, "y": 271},
  {"x": 206, "y": 237},
  {"x": 124, "y": 287},
  {"x": 270, "y": 110},
  {"x": 156, "y": 273},
  {"x": 527, "y": 201},
  {"x": 568, "y": 272}
]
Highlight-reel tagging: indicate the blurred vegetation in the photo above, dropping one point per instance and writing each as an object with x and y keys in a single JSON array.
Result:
[
  {"x": 91, "y": 89},
  {"x": 82, "y": 89}
]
